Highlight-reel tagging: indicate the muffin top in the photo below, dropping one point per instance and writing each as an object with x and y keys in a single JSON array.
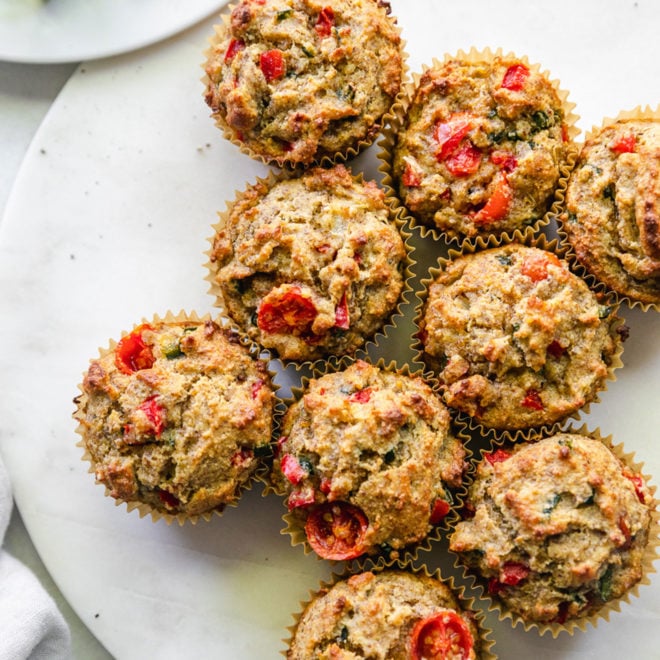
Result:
[
  {"x": 176, "y": 416},
  {"x": 515, "y": 338},
  {"x": 481, "y": 147},
  {"x": 612, "y": 216},
  {"x": 559, "y": 527},
  {"x": 309, "y": 266},
  {"x": 297, "y": 80},
  {"x": 388, "y": 615},
  {"x": 368, "y": 450}
]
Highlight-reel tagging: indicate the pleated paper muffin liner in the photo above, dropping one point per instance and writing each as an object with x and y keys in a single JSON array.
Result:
[
  {"x": 462, "y": 604},
  {"x": 388, "y": 143},
  {"x": 323, "y": 158},
  {"x": 651, "y": 552},
  {"x": 295, "y": 519},
  {"x": 305, "y": 364},
  {"x": 618, "y": 332},
  {"x": 244, "y": 481},
  {"x": 563, "y": 221}
]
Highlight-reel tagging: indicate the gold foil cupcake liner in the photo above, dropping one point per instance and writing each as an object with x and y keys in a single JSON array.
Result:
[
  {"x": 388, "y": 323},
  {"x": 387, "y": 146},
  {"x": 640, "y": 112},
  {"x": 619, "y": 332},
  {"x": 349, "y": 152},
  {"x": 144, "y": 509},
  {"x": 651, "y": 554},
  {"x": 464, "y": 602},
  {"x": 295, "y": 520}
]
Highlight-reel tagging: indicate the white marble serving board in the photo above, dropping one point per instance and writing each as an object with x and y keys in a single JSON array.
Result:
[{"x": 108, "y": 222}]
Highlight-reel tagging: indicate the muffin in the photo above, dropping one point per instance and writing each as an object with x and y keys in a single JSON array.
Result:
[
  {"x": 559, "y": 527},
  {"x": 175, "y": 416},
  {"x": 386, "y": 615},
  {"x": 515, "y": 338},
  {"x": 368, "y": 462},
  {"x": 309, "y": 266},
  {"x": 481, "y": 146},
  {"x": 612, "y": 215},
  {"x": 296, "y": 81}
]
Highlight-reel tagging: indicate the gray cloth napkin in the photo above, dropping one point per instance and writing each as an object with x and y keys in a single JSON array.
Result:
[{"x": 31, "y": 626}]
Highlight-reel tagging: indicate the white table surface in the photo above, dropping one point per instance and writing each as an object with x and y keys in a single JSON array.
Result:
[{"x": 26, "y": 93}]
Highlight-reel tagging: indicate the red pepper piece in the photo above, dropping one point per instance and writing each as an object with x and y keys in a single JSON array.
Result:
[
  {"x": 535, "y": 265},
  {"x": 513, "y": 573},
  {"x": 301, "y": 498},
  {"x": 361, "y": 396},
  {"x": 497, "y": 205},
  {"x": 440, "y": 510},
  {"x": 448, "y": 134},
  {"x": 292, "y": 469},
  {"x": 325, "y": 22},
  {"x": 515, "y": 77},
  {"x": 271, "y": 63},
  {"x": 235, "y": 46},
  {"x": 465, "y": 160},
  {"x": 290, "y": 312},
  {"x": 256, "y": 388},
  {"x": 155, "y": 413},
  {"x": 532, "y": 400},
  {"x": 170, "y": 501},
  {"x": 242, "y": 458},
  {"x": 556, "y": 349},
  {"x": 342, "y": 315},
  {"x": 411, "y": 177},
  {"x": 638, "y": 483},
  {"x": 505, "y": 159},
  {"x": 132, "y": 354},
  {"x": 497, "y": 456},
  {"x": 326, "y": 485},
  {"x": 625, "y": 144}
]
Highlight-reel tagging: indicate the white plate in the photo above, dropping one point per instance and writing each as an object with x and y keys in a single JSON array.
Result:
[
  {"x": 108, "y": 222},
  {"x": 48, "y": 31}
]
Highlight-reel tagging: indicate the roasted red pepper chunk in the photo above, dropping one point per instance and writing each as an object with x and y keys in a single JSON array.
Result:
[
  {"x": 439, "y": 512},
  {"x": 498, "y": 203},
  {"x": 154, "y": 413},
  {"x": 292, "y": 469},
  {"x": 325, "y": 22},
  {"x": 336, "y": 530},
  {"x": 361, "y": 396},
  {"x": 515, "y": 77},
  {"x": 513, "y": 573},
  {"x": 290, "y": 312},
  {"x": 342, "y": 315},
  {"x": 535, "y": 265},
  {"x": 497, "y": 456},
  {"x": 449, "y": 134},
  {"x": 271, "y": 63},
  {"x": 465, "y": 160},
  {"x": 532, "y": 400},
  {"x": 132, "y": 353},
  {"x": 235, "y": 46},
  {"x": 441, "y": 636},
  {"x": 626, "y": 144}
]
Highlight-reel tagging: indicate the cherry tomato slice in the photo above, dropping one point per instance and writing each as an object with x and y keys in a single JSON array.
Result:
[
  {"x": 132, "y": 354},
  {"x": 290, "y": 312},
  {"x": 535, "y": 265},
  {"x": 515, "y": 77},
  {"x": 325, "y": 22},
  {"x": 336, "y": 530},
  {"x": 441, "y": 636},
  {"x": 271, "y": 63}
]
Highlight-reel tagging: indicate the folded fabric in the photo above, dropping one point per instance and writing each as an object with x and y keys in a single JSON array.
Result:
[{"x": 31, "y": 626}]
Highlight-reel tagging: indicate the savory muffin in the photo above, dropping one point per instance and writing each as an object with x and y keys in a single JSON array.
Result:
[
  {"x": 368, "y": 461},
  {"x": 481, "y": 147},
  {"x": 515, "y": 338},
  {"x": 294, "y": 81},
  {"x": 386, "y": 615},
  {"x": 559, "y": 527},
  {"x": 612, "y": 216},
  {"x": 309, "y": 266},
  {"x": 176, "y": 416}
]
